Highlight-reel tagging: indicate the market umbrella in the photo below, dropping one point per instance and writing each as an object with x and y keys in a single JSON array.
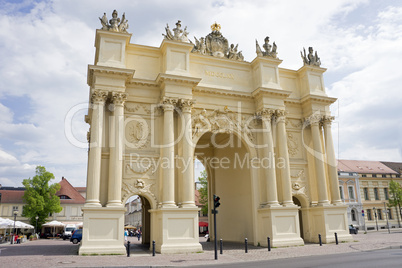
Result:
[
  {"x": 129, "y": 227},
  {"x": 54, "y": 224}
]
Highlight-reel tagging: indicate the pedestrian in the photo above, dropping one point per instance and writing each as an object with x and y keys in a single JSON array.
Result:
[
  {"x": 139, "y": 235},
  {"x": 125, "y": 235}
]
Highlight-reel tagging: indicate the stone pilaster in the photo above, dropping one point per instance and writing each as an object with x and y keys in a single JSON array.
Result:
[
  {"x": 314, "y": 121},
  {"x": 168, "y": 180},
  {"x": 284, "y": 154},
  {"x": 116, "y": 150},
  {"x": 98, "y": 99},
  {"x": 331, "y": 161},
  {"x": 269, "y": 172}
]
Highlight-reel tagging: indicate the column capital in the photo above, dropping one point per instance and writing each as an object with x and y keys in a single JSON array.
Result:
[
  {"x": 281, "y": 115},
  {"x": 313, "y": 119},
  {"x": 327, "y": 120},
  {"x": 186, "y": 105},
  {"x": 265, "y": 114},
  {"x": 98, "y": 96},
  {"x": 168, "y": 104},
  {"x": 118, "y": 98}
]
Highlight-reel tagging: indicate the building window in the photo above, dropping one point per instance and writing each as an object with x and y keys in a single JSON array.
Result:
[
  {"x": 15, "y": 208},
  {"x": 351, "y": 193},
  {"x": 353, "y": 215},
  {"x": 369, "y": 217},
  {"x": 376, "y": 196},
  {"x": 386, "y": 193},
  {"x": 64, "y": 197},
  {"x": 364, "y": 175},
  {"x": 379, "y": 214},
  {"x": 384, "y": 176},
  {"x": 374, "y": 175},
  {"x": 366, "y": 193},
  {"x": 341, "y": 192},
  {"x": 389, "y": 214},
  {"x": 398, "y": 175}
]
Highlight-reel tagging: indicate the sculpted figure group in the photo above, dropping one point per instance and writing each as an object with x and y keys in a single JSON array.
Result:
[{"x": 214, "y": 44}]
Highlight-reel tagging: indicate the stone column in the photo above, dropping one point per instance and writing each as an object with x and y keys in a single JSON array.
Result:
[
  {"x": 331, "y": 161},
  {"x": 269, "y": 155},
  {"x": 284, "y": 154},
  {"x": 319, "y": 159},
  {"x": 168, "y": 180},
  {"x": 187, "y": 183},
  {"x": 98, "y": 99},
  {"x": 116, "y": 150}
]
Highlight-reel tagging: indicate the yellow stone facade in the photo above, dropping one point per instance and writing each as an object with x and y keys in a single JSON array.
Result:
[{"x": 262, "y": 132}]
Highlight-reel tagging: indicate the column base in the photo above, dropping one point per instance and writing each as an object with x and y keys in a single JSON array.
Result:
[
  {"x": 175, "y": 230},
  {"x": 103, "y": 231},
  {"x": 280, "y": 224},
  {"x": 328, "y": 220},
  {"x": 92, "y": 203},
  {"x": 114, "y": 203}
]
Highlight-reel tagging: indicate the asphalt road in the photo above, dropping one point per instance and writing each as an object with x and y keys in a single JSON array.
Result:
[{"x": 367, "y": 259}]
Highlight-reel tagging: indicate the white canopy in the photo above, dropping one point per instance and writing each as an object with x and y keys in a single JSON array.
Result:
[
  {"x": 54, "y": 224},
  {"x": 7, "y": 223}
]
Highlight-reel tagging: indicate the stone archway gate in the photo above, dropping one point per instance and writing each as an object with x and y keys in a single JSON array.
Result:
[{"x": 148, "y": 107}]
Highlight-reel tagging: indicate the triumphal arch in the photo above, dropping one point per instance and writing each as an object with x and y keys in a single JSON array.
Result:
[{"x": 262, "y": 132}]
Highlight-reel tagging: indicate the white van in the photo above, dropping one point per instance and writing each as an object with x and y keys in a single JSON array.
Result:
[{"x": 68, "y": 230}]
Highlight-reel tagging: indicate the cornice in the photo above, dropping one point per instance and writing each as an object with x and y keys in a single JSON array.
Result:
[
  {"x": 176, "y": 79},
  {"x": 143, "y": 82},
  {"x": 271, "y": 92},
  {"x": 317, "y": 99},
  {"x": 92, "y": 69},
  {"x": 222, "y": 92}
]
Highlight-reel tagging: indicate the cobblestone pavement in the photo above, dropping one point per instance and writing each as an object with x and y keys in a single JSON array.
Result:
[{"x": 59, "y": 253}]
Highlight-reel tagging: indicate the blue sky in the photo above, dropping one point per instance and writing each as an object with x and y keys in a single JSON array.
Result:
[{"x": 46, "y": 46}]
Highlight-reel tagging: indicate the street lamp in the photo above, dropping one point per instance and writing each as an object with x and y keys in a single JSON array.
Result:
[
  {"x": 15, "y": 230},
  {"x": 375, "y": 215},
  {"x": 36, "y": 227}
]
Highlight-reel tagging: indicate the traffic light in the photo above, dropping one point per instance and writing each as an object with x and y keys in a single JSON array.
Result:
[{"x": 216, "y": 201}]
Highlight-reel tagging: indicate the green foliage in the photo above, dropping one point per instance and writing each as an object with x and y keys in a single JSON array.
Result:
[
  {"x": 40, "y": 197},
  {"x": 203, "y": 190},
  {"x": 395, "y": 191}
]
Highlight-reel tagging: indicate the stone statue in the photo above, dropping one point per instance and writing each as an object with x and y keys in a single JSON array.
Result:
[
  {"x": 311, "y": 58},
  {"x": 178, "y": 33},
  {"x": 114, "y": 24},
  {"x": 269, "y": 50},
  {"x": 214, "y": 44}
]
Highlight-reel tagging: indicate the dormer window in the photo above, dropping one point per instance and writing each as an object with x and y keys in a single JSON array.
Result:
[{"x": 64, "y": 197}]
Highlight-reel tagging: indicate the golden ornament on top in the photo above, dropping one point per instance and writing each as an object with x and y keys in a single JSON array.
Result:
[{"x": 216, "y": 27}]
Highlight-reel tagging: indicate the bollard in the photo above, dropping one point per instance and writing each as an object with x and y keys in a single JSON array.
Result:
[
  {"x": 269, "y": 243},
  {"x": 336, "y": 238},
  {"x": 319, "y": 238},
  {"x": 128, "y": 248},
  {"x": 246, "y": 245},
  {"x": 221, "y": 246},
  {"x": 153, "y": 248}
]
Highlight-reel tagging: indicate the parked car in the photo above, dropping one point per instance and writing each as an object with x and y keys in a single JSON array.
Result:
[
  {"x": 352, "y": 230},
  {"x": 76, "y": 236}
]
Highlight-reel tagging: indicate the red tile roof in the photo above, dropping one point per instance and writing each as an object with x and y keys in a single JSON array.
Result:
[
  {"x": 68, "y": 190},
  {"x": 360, "y": 166},
  {"x": 12, "y": 196}
]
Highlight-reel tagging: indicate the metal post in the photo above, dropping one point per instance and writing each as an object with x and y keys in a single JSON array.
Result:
[
  {"x": 128, "y": 248},
  {"x": 386, "y": 215},
  {"x": 215, "y": 238},
  {"x": 153, "y": 248},
  {"x": 269, "y": 243},
  {"x": 221, "y": 246},
  {"x": 319, "y": 238},
  {"x": 246, "y": 245},
  {"x": 375, "y": 215},
  {"x": 336, "y": 238}
]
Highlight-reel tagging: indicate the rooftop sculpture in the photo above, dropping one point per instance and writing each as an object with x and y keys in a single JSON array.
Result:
[
  {"x": 270, "y": 51},
  {"x": 178, "y": 33},
  {"x": 215, "y": 44},
  {"x": 310, "y": 59},
  {"x": 114, "y": 24}
]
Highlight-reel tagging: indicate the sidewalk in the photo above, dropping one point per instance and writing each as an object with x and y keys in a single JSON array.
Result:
[{"x": 59, "y": 253}]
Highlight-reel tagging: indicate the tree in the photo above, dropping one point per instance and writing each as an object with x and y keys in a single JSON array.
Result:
[
  {"x": 203, "y": 197},
  {"x": 395, "y": 199},
  {"x": 40, "y": 197}
]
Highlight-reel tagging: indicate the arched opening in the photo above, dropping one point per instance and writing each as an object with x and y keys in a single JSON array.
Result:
[
  {"x": 297, "y": 202},
  {"x": 227, "y": 162},
  {"x": 137, "y": 221}
]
